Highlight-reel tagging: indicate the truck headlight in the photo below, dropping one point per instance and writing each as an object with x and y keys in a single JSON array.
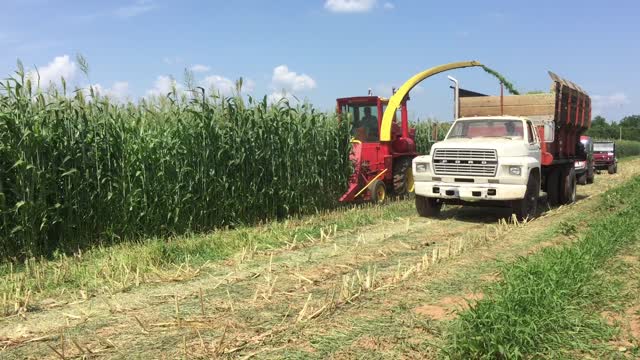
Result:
[
  {"x": 515, "y": 170},
  {"x": 422, "y": 167}
]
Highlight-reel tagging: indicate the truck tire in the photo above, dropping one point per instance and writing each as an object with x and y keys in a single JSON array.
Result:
[
  {"x": 378, "y": 192},
  {"x": 613, "y": 168},
  {"x": 591, "y": 175},
  {"x": 582, "y": 179},
  {"x": 402, "y": 177},
  {"x": 428, "y": 207},
  {"x": 553, "y": 187},
  {"x": 527, "y": 207},
  {"x": 568, "y": 186}
]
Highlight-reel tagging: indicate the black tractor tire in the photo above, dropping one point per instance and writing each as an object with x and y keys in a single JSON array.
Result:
[
  {"x": 378, "y": 192},
  {"x": 582, "y": 179},
  {"x": 553, "y": 187},
  {"x": 527, "y": 208},
  {"x": 402, "y": 179},
  {"x": 428, "y": 207},
  {"x": 568, "y": 186},
  {"x": 612, "y": 169}
]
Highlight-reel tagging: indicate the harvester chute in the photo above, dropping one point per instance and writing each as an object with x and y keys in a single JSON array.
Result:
[{"x": 398, "y": 97}]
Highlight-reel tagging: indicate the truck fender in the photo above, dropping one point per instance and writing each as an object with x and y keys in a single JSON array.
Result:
[{"x": 532, "y": 164}]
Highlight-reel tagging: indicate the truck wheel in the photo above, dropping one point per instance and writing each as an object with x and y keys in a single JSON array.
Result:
[
  {"x": 528, "y": 206},
  {"x": 582, "y": 179},
  {"x": 568, "y": 186},
  {"x": 553, "y": 187},
  {"x": 428, "y": 207},
  {"x": 402, "y": 177},
  {"x": 378, "y": 192},
  {"x": 591, "y": 176}
]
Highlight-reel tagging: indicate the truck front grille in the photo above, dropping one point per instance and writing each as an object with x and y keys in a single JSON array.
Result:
[{"x": 466, "y": 162}]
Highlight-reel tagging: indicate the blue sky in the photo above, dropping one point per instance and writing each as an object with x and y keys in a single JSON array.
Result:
[{"x": 324, "y": 49}]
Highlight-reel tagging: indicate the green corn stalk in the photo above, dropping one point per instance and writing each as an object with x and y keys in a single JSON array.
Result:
[{"x": 82, "y": 170}]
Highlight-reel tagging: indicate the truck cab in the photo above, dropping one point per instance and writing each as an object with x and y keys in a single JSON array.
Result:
[
  {"x": 604, "y": 154},
  {"x": 483, "y": 160}
]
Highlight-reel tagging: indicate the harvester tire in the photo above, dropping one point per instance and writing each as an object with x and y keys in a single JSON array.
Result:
[
  {"x": 568, "y": 186},
  {"x": 378, "y": 192},
  {"x": 402, "y": 177},
  {"x": 428, "y": 207}
]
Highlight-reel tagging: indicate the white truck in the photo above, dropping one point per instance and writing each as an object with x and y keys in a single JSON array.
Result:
[{"x": 507, "y": 151}]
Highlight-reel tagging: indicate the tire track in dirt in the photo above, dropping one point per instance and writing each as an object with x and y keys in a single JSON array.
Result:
[
  {"x": 519, "y": 241},
  {"x": 120, "y": 310}
]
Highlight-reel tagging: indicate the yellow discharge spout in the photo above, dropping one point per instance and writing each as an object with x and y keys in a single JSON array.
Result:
[{"x": 396, "y": 99}]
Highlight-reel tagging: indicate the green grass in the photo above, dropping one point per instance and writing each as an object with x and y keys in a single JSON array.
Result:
[
  {"x": 541, "y": 307},
  {"x": 77, "y": 169}
]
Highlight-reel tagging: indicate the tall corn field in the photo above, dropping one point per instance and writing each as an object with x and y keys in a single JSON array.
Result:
[
  {"x": 77, "y": 169},
  {"x": 428, "y": 133}
]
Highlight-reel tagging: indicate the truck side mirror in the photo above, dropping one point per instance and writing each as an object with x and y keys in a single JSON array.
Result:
[{"x": 549, "y": 131}]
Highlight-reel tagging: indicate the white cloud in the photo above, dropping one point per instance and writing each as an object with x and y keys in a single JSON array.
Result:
[
  {"x": 282, "y": 95},
  {"x": 61, "y": 66},
  {"x": 349, "y": 6},
  {"x": 289, "y": 80},
  {"x": 248, "y": 86},
  {"x": 226, "y": 86},
  {"x": 119, "y": 91},
  {"x": 388, "y": 6},
  {"x": 139, "y": 7},
  {"x": 163, "y": 85},
  {"x": 220, "y": 84},
  {"x": 601, "y": 103},
  {"x": 199, "y": 68}
]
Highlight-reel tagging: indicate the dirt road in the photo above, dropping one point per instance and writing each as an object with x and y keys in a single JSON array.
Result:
[{"x": 384, "y": 290}]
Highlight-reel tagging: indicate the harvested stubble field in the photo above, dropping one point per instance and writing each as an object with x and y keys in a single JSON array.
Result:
[{"x": 368, "y": 282}]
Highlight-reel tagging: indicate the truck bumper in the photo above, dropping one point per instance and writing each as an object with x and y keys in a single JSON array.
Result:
[{"x": 470, "y": 192}]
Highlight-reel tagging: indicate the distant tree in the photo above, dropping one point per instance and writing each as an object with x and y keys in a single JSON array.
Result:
[
  {"x": 628, "y": 128},
  {"x": 599, "y": 122}
]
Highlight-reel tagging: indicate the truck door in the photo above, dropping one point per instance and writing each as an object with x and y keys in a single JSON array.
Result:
[{"x": 534, "y": 142}]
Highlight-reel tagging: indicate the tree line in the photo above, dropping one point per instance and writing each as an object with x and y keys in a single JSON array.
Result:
[{"x": 626, "y": 129}]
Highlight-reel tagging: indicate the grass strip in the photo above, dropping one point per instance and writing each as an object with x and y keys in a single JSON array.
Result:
[
  {"x": 541, "y": 304},
  {"x": 120, "y": 266}
]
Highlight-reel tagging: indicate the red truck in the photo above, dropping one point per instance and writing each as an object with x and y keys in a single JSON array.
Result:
[{"x": 604, "y": 155}]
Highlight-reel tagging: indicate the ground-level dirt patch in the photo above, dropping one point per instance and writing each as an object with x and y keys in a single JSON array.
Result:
[
  {"x": 633, "y": 317},
  {"x": 447, "y": 307}
]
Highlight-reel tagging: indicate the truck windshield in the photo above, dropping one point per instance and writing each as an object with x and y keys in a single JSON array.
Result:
[
  {"x": 485, "y": 128},
  {"x": 365, "y": 121},
  {"x": 603, "y": 147}
]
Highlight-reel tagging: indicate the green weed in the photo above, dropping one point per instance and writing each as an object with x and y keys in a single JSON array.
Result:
[{"x": 540, "y": 305}]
